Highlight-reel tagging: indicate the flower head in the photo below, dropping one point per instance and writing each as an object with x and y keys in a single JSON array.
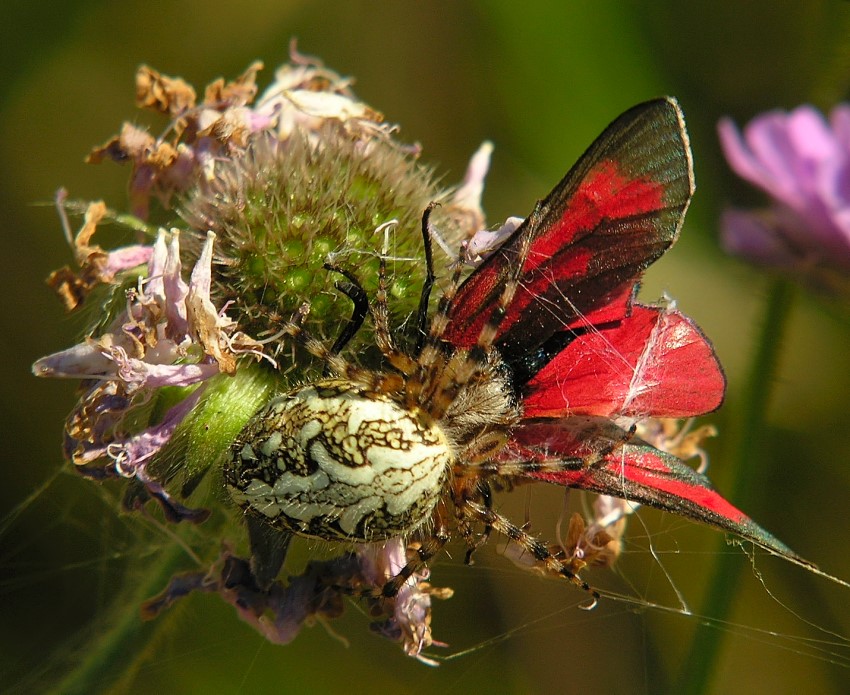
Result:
[
  {"x": 181, "y": 351},
  {"x": 803, "y": 163}
]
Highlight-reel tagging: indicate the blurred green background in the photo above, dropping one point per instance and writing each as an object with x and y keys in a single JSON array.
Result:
[{"x": 541, "y": 79}]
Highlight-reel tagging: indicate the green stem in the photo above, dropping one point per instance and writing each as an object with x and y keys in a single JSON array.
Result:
[
  {"x": 748, "y": 467},
  {"x": 114, "y": 647}
]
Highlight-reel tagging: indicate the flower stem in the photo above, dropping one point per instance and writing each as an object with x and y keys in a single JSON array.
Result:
[{"x": 748, "y": 467}]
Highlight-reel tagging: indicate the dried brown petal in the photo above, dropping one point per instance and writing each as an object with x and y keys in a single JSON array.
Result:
[
  {"x": 238, "y": 92},
  {"x": 162, "y": 157},
  {"x": 168, "y": 95},
  {"x": 228, "y": 127},
  {"x": 131, "y": 144},
  {"x": 71, "y": 287}
]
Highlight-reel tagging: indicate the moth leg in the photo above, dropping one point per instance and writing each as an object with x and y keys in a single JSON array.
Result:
[{"x": 612, "y": 446}]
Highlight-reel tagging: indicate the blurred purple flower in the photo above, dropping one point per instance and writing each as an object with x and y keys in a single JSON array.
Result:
[{"x": 803, "y": 163}]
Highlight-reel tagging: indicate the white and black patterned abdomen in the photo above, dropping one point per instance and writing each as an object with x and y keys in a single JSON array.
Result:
[{"x": 329, "y": 461}]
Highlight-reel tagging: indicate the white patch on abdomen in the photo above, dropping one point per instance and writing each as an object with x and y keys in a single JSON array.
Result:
[{"x": 330, "y": 461}]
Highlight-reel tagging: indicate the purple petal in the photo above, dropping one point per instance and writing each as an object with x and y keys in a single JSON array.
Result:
[
  {"x": 176, "y": 291},
  {"x": 469, "y": 193},
  {"x": 839, "y": 119},
  {"x": 770, "y": 144},
  {"x": 755, "y": 236},
  {"x": 738, "y": 154},
  {"x": 138, "y": 374},
  {"x": 82, "y": 361},
  {"x": 126, "y": 258},
  {"x": 155, "y": 286},
  {"x": 803, "y": 163}
]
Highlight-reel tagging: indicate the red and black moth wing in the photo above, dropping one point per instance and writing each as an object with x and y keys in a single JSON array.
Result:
[
  {"x": 654, "y": 362},
  {"x": 635, "y": 472},
  {"x": 581, "y": 351},
  {"x": 617, "y": 210}
]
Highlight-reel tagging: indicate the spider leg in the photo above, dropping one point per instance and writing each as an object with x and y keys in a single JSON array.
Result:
[
  {"x": 430, "y": 349},
  {"x": 465, "y": 527},
  {"x": 429, "y": 548},
  {"x": 268, "y": 551},
  {"x": 355, "y": 292},
  {"x": 463, "y": 365},
  {"x": 381, "y": 319},
  {"x": 430, "y": 277},
  {"x": 477, "y": 512},
  {"x": 424, "y": 554},
  {"x": 378, "y": 382},
  {"x": 490, "y": 330}
]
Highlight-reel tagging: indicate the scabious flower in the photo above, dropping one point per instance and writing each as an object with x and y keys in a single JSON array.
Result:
[
  {"x": 181, "y": 353},
  {"x": 803, "y": 163}
]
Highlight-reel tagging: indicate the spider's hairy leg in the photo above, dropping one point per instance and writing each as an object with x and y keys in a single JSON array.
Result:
[
  {"x": 429, "y": 350},
  {"x": 355, "y": 292},
  {"x": 424, "y": 554},
  {"x": 523, "y": 467},
  {"x": 381, "y": 316},
  {"x": 375, "y": 381},
  {"x": 466, "y": 365},
  {"x": 428, "y": 284},
  {"x": 488, "y": 468},
  {"x": 490, "y": 330},
  {"x": 429, "y": 548},
  {"x": 542, "y": 554},
  {"x": 465, "y": 527}
]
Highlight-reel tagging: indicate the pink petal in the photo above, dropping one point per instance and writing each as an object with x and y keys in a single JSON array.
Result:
[{"x": 754, "y": 235}]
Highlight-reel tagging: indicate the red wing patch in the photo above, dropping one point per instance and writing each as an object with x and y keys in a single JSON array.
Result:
[
  {"x": 655, "y": 362},
  {"x": 617, "y": 210},
  {"x": 638, "y": 473}
]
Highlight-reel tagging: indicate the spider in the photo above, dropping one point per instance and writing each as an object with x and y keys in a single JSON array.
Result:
[{"x": 408, "y": 450}]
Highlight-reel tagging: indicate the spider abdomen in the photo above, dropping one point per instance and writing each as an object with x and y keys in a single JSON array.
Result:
[{"x": 331, "y": 461}]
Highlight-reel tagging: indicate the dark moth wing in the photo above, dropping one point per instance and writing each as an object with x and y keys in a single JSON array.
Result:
[
  {"x": 585, "y": 246},
  {"x": 635, "y": 472}
]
